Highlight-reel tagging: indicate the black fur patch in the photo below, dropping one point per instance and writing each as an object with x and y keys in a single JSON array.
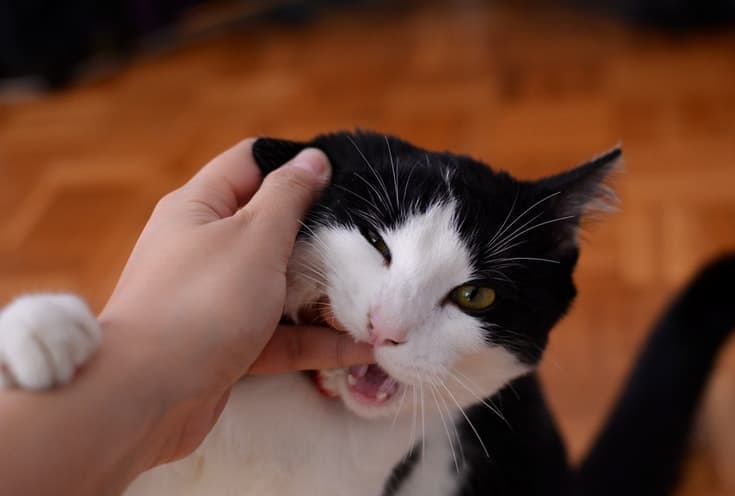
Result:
[{"x": 521, "y": 234}]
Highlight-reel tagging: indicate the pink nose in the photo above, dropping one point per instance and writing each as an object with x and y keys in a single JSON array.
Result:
[{"x": 383, "y": 333}]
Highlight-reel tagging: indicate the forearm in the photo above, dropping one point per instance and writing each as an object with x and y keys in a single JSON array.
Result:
[{"x": 91, "y": 437}]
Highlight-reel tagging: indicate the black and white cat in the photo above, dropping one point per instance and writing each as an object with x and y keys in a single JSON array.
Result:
[{"x": 455, "y": 273}]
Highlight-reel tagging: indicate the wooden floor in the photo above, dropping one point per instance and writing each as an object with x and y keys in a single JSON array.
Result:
[{"x": 532, "y": 92}]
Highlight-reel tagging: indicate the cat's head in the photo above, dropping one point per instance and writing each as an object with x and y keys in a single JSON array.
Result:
[{"x": 455, "y": 272}]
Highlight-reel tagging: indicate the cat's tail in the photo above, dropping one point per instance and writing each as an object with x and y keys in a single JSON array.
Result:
[{"x": 642, "y": 445}]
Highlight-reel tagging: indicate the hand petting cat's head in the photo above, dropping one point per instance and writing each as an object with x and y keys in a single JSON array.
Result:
[{"x": 455, "y": 272}]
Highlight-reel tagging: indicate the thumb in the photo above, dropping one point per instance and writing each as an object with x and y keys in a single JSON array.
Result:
[{"x": 285, "y": 195}]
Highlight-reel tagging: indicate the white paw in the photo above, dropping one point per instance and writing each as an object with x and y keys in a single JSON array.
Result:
[{"x": 43, "y": 339}]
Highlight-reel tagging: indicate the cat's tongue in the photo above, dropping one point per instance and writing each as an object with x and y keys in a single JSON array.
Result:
[{"x": 371, "y": 383}]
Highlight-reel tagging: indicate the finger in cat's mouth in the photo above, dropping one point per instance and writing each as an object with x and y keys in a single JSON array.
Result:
[{"x": 368, "y": 384}]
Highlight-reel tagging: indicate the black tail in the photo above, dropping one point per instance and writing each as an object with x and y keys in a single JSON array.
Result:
[{"x": 641, "y": 447}]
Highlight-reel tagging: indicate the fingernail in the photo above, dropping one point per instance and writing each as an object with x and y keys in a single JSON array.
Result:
[{"x": 312, "y": 160}]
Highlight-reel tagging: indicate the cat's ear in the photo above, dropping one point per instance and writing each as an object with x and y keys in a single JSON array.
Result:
[
  {"x": 582, "y": 192},
  {"x": 271, "y": 153}
]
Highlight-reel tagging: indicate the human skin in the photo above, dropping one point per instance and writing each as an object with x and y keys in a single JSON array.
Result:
[{"x": 196, "y": 308}]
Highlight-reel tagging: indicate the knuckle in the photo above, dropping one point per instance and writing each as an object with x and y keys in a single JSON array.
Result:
[
  {"x": 289, "y": 179},
  {"x": 245, "y": 216},
  {"x": 168, "y": 200}
]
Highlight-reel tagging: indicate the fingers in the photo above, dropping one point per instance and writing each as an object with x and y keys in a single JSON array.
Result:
[
  {"x": 228, "y": 181},
  {"x": 307, "y": 348},
  {"x": 285, "y": 196}
]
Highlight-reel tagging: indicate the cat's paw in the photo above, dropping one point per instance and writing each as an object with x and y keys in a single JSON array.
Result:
[{"x": 43, "y": 339}]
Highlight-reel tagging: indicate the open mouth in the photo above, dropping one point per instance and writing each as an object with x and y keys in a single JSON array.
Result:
[{"x": 368, "y": 384}]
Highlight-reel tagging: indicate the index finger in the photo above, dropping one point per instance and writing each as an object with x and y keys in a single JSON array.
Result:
[{"x": 229, "y": 180}]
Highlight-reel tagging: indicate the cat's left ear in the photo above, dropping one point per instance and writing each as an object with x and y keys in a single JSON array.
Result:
[
  {"x": 271, "y": 153},
  {"x": 582, "y": 191}
]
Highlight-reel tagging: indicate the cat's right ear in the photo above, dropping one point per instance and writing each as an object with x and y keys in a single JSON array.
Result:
[{"x": 271, "y": 153}]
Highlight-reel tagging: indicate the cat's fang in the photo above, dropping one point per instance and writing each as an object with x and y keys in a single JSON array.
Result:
[
  {"x": 389, "y": 387},
  {"x": 351, "y": 379},
  {"x": 381, "y": 396}
]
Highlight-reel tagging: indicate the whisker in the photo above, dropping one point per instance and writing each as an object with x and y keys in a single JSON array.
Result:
[
  {"x": 501, "y": 229},
  {"x": 436, "y": 380},
  {"x": 540, "y": 224},
  {"x": 375, "y": 173},
  {"x": 472, "y": 426},
  {"x": 414, "y": 421},
  {"x": 408, "y": 181},
  {"x": 305, "y": 265},
  {"x": 316, "y": 281},
  {"x": 369, "y": 185},
  {"x": 370, "y": 218},
  {"x": 347, "y": 190},
  {"x": 316, "y": 238},
  {"x": 400, "y": 406},
  {"x": 315, "y": 268},
  {"x": 546, "y": 198},
  {"x": 501, "y": 244},
  {"x": 533, "y": 259},
  {"x": 423, "y": 423},
  {"x": 446, "y": 429},
  {"x": 515, "y": 393},
  {"x": 501, "y": 276},
  {"x": 393, "y": 168},
  {"x": 480, "y": 399},
  {"x": 498, "y": 251},
  {"x": 313, "y": 272},
  {"x": 505, "y": 332}
]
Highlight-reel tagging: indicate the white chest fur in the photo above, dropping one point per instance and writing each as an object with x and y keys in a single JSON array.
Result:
[{"x": 278, "y": 436}]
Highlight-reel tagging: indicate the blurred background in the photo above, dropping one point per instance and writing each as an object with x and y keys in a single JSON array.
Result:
[{"x": 106, "y": 106}]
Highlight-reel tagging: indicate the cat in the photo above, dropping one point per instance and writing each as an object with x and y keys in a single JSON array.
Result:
[{"x": 455, "y": 273}]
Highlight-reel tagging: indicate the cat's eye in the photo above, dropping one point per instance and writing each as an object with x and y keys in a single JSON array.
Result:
[
  {"x": 377, "y": 242},
  {"x": 473, "y": 298}
]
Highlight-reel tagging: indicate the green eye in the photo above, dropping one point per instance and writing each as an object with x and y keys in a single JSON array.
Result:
[
  {"x": 473, "y": 298},
  {"x": 377, "y": 242}
]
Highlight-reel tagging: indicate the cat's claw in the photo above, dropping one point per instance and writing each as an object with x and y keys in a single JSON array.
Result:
[{"x": 43, "y": 339}]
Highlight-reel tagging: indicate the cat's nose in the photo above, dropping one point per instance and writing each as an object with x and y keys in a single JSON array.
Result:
[{"x": 381, "y": 332}]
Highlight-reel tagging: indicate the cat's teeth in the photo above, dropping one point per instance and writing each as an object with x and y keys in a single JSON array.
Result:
[
  {"x": 389, "y": 386},
  {"x": 381, "y": 396},
  {"x": 362, "y": 370},
  {"x": 351, "y": 380}
]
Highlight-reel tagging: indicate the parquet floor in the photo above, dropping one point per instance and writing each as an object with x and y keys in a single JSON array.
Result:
[{"x": 530, "y": 91}]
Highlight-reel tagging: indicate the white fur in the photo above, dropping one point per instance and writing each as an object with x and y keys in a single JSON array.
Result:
[
  {"x": 435, "y": 474},
  {"x": 43, "y": 338},
  {"x": 279, "y": 436}
]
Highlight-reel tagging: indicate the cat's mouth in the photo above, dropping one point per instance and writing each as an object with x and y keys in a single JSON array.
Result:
[{"x": 369, "y": 385}]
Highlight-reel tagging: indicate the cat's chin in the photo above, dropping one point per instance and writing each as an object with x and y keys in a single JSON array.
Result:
[{"x": 367, "y": 391}]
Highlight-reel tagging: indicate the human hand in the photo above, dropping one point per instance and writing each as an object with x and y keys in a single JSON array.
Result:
[{"x": 203, "y": 291}]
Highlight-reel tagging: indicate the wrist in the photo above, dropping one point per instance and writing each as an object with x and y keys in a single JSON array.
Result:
[
  {"x": 173, "y": 408},
  {"x": 126, "y": 366}
]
